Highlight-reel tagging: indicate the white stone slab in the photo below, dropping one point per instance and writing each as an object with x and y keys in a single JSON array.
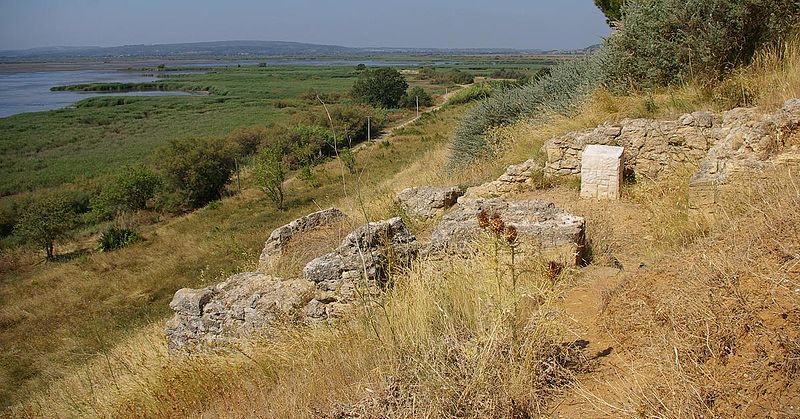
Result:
[{"x": 601, "y": 172}]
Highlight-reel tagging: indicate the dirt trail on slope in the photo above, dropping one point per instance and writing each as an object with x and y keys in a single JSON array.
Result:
[
  {"x": 390, "y": 132},
  {"x": 627, "y": 248}
]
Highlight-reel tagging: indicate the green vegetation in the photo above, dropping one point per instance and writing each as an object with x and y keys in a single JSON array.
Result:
[
  {"x": 416, "y": 95},
  {"x": 196, "y": 170},
  {"x": 477, "y": 91},
  {"x": 115, "y": 238},
  {"x": 83, "y": 144},
  {"x": 611, "y": 8},
  {"x": 129, "y": 191},
  {"x": 270, "y": 174},
  {"x": 658, "y": 43},
  {"x": 380, "y": 87},
  {"x": 49, "y": 219}
]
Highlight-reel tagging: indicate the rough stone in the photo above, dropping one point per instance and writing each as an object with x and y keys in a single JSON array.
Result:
[
  {"x": 601, "y": 172},
  {"x": 651, "y": 147},
  {"x": 361, "y": 262},
  {"x": 428, "y": 202},
  {"x": 245, "y": 305},
  {"x": 748, "y": 145},
  {"x": 281, "y": 236},
  {"x": 516, "y": 178},
  {"x": 542, "y": 227}
]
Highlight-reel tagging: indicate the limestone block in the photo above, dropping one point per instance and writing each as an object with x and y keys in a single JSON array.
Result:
[{"x": 601, "y": 172}]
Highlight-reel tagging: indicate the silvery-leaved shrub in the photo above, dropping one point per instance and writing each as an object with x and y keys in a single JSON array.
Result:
[
  {"x": 663, "y": 42},
  {"x": 560, "y": 91},
  {"x": 656, "y": 43}
]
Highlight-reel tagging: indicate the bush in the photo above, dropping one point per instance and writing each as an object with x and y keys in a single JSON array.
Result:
[
  {"x": 116, "y": 238},
  {"x": 519, "y": 76},
  {"x": 380, "y": 87},
  {"x": 475, "y": 92},
  {"x": 197, "y": 170},
  {"x": 667, "y": 41},
  {"x": 459, "y": 77},
  {"x": 270, "y": 173},
  {"x": 247, "y": 139},
  {"x": 48, "y": 219},
  {"x": 409, "y": 100},
  {"x": 560, "y": 92},
  {"x": 129, "y": 191}
]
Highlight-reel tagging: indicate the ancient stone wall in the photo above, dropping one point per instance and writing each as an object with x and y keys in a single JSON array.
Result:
[{"x": 651, "y": 147}]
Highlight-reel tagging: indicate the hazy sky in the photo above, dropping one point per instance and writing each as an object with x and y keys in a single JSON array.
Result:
[{"x": 546, "y": 24}]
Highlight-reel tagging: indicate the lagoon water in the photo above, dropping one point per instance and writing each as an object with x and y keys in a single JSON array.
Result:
[{"x": 30, "y": 91}]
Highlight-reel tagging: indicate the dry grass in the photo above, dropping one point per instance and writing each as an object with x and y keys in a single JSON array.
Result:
[
  {"x": 772, "y": 78},
  {"x": 710, "y": 327},
  {"x": 714, "y": 328},
  {"x": 439, "y": 345}
]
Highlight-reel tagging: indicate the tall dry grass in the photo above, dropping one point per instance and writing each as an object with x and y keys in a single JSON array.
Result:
[
  {"x": 715, "y": 328},
  {"x": 439, "y": 344}
]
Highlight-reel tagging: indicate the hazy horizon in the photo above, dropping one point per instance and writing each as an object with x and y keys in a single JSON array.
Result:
[{"x": 449, "y": 24}]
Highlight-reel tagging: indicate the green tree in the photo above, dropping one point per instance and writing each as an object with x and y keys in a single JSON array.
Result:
[
  {"x": 128, "y": 192},
  {"x": 409, "y": 100},
  {"x": 460, "y": 77},
  {"x": 611, "y": 8},
  {"x": 270, "y": 174},
  {"x": 48, "y": 219},
  {"x": 380, "y": 87},
  {"x": 197, "y": 169}
]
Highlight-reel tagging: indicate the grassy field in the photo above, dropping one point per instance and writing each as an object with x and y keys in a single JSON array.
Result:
[{"x": 99, "y": 135}]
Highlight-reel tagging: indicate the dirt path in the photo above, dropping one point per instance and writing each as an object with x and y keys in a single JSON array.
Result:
[{"x": 390, "y": 132}]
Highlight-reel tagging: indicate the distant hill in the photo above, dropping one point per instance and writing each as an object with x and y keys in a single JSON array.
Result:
[
  {"x": 195, "y": 49},
  {"x": 237, "y": 49}
]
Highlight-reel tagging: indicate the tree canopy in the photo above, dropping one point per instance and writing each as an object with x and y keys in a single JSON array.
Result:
[
  {"x": 611, "y": 8},
  {"x": 48, "y": 219},
  {"x": 380, "y": 87}
]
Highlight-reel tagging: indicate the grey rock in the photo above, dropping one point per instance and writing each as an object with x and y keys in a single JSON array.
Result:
[
  {"x": 244, "y": 306},
  {"x": 748, "y": 145},
  {"x": 281, "y": 236},
  {"x": 543, "y": 228},
  {"x": 361, "y": 262},
  {"x": 516, "y": 178},
  {"x": 427, "y": 202}
]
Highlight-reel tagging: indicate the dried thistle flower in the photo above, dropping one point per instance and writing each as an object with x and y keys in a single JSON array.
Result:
[
  {"x": 483, "y": 219},
  {"x": 554, "y": 269},
  {"x": 496, "y": 224},
  {"x": 511, "y": 234}
]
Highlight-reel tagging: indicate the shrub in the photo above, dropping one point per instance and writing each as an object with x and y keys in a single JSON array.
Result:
[
  {"x": 468, "y": 94},
  {"x": 668, "y": 41},
  {"x": 48, "y": 219},
  {"x": 116, "y": 238},
  {"x": 380, "y": 87},
  {"x": 197, "y": 169},
  {"x": 519, "y": 76},
  {"x": 247, "y": 139},
  {"x": 459, "y": 77},
  {"x": 560, "y": 91},
  {"x": 611, "y": 8},
  {"x": 129, "y": 191},
  {"x": 349, "y": 160},
  {"x": 409, "y": 100},
  {"x": 270, "y": 174}
]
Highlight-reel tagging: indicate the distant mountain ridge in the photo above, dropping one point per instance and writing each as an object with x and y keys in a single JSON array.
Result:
[{"x": 241, "y": 49}]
